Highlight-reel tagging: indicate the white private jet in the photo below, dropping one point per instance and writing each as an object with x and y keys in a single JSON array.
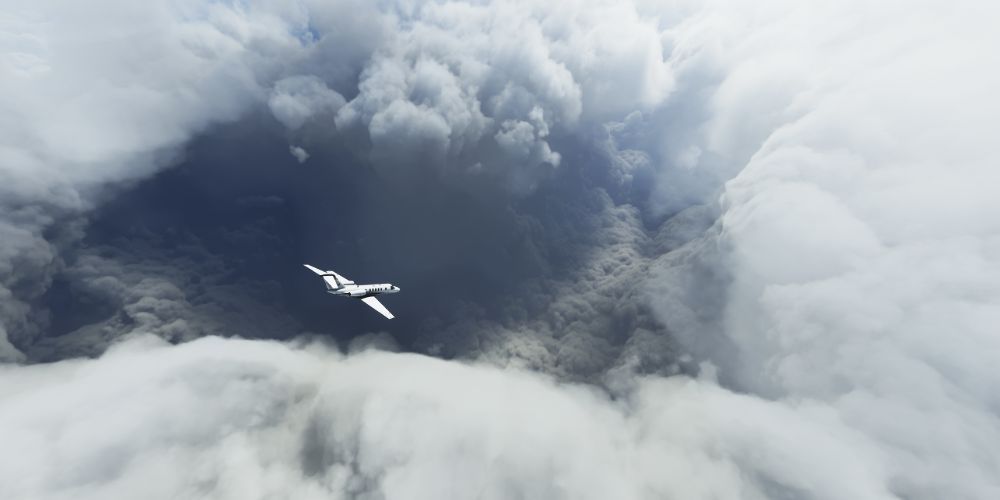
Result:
[{"x": 339, "y": 285}]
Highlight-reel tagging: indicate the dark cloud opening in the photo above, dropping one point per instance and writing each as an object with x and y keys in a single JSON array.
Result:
[{"x": 232, "y": 224}]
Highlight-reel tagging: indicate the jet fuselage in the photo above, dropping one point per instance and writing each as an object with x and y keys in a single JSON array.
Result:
[{"x": 359, "y": 291}]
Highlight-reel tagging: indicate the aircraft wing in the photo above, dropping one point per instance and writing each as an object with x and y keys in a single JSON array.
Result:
[{"x": 376, "y": 305}]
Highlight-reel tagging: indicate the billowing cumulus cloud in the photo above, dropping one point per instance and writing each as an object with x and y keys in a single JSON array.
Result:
[
  {"x": 476, "y": 90},
  {"x": 859, "y": 242},
  {"x": 241, "y": 419},
  {"x": 298, "y": 98},
  {"x": 762, "y": 238}
]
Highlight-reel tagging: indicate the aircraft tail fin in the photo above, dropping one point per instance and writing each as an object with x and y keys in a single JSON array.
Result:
[
  {"x": 333, "y": 280},
  {"x": 315, "y": 270}
]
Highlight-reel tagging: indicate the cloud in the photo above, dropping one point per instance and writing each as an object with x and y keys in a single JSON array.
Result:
[
  {"x": 92, "y": 99},
  {"x": 421, "y": 91},
  {"x": 587, "y": 311},
  {"x": 794, "y": 203},
  {"x": 168, "y": 286},
  {"x": 854, "y": 240},
  {"x": 301, "y": 155},
  {"x": 296, "y": 99},
  {"x": 303, "y": 421},
  {"x": 474, "y": 91}
]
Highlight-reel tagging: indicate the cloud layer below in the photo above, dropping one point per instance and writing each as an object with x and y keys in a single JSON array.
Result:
[{"x": 251, "y": 419}]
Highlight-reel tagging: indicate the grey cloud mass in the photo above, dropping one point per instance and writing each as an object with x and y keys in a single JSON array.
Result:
[{"x": 648, "y": 249}]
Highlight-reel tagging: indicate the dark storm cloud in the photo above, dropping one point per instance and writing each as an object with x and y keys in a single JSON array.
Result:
[
  {"x": 460, "y": 130},
  {"x": 433, "y": 104},
  {"x": 586, "y": 311},
  {"x": 551, "y": 281},
  {"x": 169, "y": 285}
]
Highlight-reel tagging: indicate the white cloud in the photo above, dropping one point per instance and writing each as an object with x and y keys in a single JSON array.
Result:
[
  {"x": 299, "y": 153},
  {"x": 242, "y": 419},
  {"x": 860, "y": 239},
  {"x": 298, "y": 98}
]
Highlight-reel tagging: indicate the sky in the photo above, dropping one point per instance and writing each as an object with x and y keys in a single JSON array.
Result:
[{"x": 667, "y": 249}]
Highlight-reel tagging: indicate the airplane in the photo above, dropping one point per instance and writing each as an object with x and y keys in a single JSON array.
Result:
[{"x": 339, "y": 285}]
